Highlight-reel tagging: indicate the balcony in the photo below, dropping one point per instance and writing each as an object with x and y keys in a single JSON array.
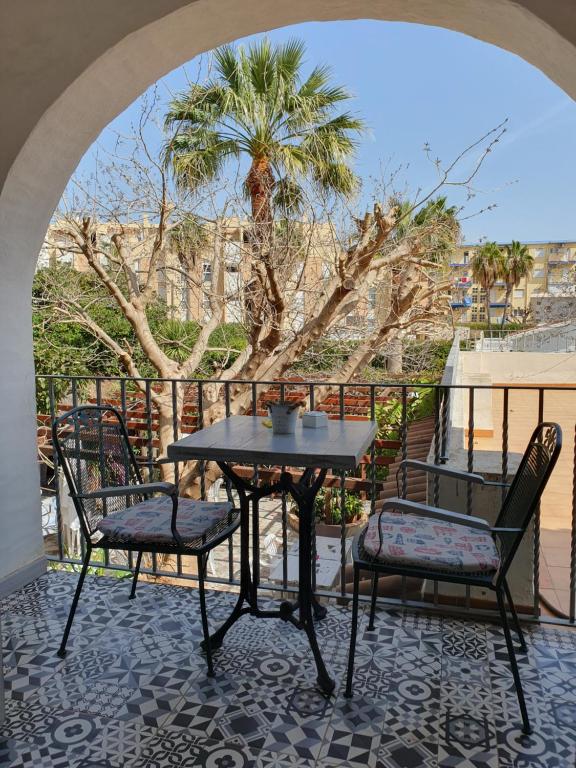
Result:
[
  {"x": 432, "y": 685},
  {"x": 463, "y": 304},
  {"x": 429, "y": 690}
]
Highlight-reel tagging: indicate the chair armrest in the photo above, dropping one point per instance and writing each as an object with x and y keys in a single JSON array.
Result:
[
  {"x": 441, "y": 469},
  {"x": 424, "y": 510},
  {"x": 506, "y": 530},
  {"x": 125, "y": 490}
]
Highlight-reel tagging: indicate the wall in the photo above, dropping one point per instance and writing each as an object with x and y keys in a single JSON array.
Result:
[
  {"x": 519, "y": 367},
  {"x": 550, "y": 309},
  {"x": 69, "y": 67}
]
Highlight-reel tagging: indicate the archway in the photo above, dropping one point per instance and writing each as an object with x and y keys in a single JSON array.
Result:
[{"x": 70, "y": 73}]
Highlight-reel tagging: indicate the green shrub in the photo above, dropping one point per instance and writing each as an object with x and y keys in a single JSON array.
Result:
[{"x": 328, "y": 508}]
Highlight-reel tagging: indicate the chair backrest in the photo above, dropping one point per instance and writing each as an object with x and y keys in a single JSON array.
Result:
[
  {"x": 94, "y": 451},
  {"x": 526, "y": 489}
]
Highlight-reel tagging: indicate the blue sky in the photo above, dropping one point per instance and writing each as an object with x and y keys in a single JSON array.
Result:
[{"x": 415, "y": 84}]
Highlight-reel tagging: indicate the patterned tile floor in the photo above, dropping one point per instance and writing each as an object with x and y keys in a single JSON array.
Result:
[{"x": 133, "y": 691}]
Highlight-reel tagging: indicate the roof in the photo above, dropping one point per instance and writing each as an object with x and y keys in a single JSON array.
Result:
[{"x": 524, "y": 242}]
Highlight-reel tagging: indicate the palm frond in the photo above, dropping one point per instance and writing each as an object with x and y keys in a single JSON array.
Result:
[
  {"x": 288, "y": 196},
  {"x": 256, "y": 103}
]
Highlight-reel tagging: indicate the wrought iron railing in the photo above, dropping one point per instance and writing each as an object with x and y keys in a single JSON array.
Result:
[{"x": 476, "y": 427}]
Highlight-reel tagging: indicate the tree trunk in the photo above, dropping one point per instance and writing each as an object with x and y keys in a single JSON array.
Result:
[
  {"x": 506, "y": 302},
  {"x": 487, "y": 303},
  {"x": 394, "y": 358},
  {"x": 260, "y": 182},
  {"x": 168, "y": 431}
]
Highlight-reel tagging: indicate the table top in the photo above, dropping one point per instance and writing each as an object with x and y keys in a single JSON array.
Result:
[{"x": 340, "y": 445}]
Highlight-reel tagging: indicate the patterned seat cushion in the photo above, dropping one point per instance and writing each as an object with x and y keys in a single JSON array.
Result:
[
  {"x": 149, "y": 520},
  {"x": 423, "y": 542}
]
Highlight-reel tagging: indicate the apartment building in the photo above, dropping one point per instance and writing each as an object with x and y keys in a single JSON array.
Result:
[
  {"x": 553, "y": 275},
  {"x": 185, "y": 279}
]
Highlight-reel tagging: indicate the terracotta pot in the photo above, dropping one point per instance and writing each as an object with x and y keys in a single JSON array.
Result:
[{"x": 332, "y": 531}]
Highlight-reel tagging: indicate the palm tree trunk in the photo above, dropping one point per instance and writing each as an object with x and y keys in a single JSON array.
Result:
[
  {"x": 487, "y": 301},
  {"x": 260, "y": 182},
  {"x": 506, "y": 302}
]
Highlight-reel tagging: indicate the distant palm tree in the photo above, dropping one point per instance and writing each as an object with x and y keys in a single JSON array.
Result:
[
  {"x": 435, "y": 223},
  {"x": 486, "y": 269},
  {"x": 516, "y": 265},
  {"x": 258, "y": 105}
]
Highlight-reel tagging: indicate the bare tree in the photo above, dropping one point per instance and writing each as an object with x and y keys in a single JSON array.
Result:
[{"x": 375, "y": 276}]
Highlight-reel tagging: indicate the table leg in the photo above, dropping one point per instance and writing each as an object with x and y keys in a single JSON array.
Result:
[
  {"x": 306, "y": 601},
  {"x": 246, "y": 588},
  {"x": 255, "y": 580}
]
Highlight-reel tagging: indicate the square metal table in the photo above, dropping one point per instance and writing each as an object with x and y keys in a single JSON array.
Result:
[{"x": 244, "y": 439}]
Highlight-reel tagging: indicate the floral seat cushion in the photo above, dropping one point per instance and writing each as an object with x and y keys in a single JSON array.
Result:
[
  {"x": 423, "y": 542},
  {"x": 148, "y": 522}
]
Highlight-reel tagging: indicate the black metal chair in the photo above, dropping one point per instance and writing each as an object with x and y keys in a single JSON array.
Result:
[
  {"x": 117, "y": 510},
  {"x": 432, "y": 543}
]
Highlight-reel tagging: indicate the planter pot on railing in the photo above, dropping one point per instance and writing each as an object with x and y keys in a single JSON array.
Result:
[{"x": 325, "y": 529}]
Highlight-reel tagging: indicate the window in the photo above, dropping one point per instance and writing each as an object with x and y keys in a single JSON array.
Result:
[
  {"x": 519, "y": 293},
  {"x": 538, "y": 272},
  {"x": 372, "y": 297},
  {"x": 206, "y": 272}
]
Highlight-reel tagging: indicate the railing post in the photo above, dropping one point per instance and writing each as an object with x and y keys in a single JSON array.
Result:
[
  {"x": 201, "y": 426},
  {"x": 227, "y": 411},
  {"x": 435, "y": 481},
  {"x": 504, "y": 440},
  {"x": 342, "y": 509},
  {"x": 59, "y": 530},
  {"x": 573, "y": 540},
  {"x": 404, "y": 439},
  {"x": 537, "y": 525}
]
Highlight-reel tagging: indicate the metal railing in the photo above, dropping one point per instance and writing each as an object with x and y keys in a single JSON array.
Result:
[
  {"x": 543, "y": 339},
  {"x": 454, "y": 423}
]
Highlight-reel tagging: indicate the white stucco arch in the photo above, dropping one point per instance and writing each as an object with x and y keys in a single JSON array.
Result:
[{"x": 70, "y": 67}]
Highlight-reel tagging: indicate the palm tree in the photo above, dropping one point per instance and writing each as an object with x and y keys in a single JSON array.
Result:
[
  {"x": 435, "y": 223},
  {"x": 258, "y": 105},
  {"x": 486, "y": 269},
  {"x": 516, "y": 265}
]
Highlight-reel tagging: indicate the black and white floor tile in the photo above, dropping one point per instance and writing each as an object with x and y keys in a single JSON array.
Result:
[{"x": 429, "y": 691}]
